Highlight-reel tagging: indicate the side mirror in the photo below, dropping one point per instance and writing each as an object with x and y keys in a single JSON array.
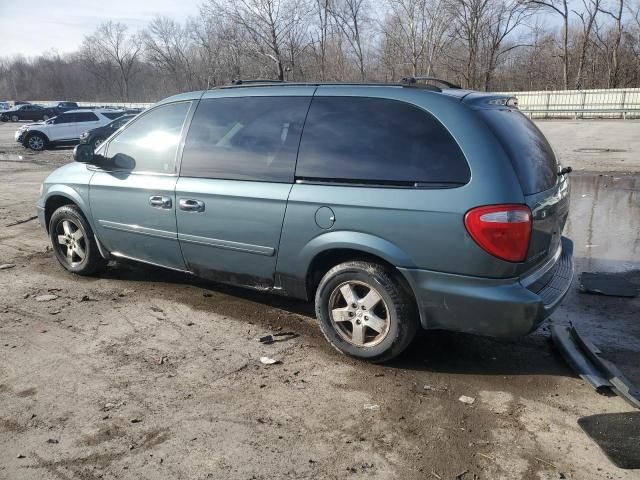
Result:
[
  {"x": 83, "y": 153},
  {"x": 123, "y": 162}
]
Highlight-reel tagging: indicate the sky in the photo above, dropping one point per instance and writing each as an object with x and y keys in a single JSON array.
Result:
[{"x": 31, "y": 27}]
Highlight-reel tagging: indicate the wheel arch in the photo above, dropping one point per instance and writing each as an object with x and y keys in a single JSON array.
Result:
[
  {"x": 40, "y": 132},
  {"x": 331, "y": 249},
  {"x": 60, "y": 195}
]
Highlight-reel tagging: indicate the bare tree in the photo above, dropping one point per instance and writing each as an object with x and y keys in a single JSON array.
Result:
[
  {"x": 410, "y": 21},
  {"x": 350, "y": 18},
  {"x": 470, "y": 18},
  {"x": 110, "y": 48},
  {"x": 503, "y": 18},
  {"x": 320, "y": 35},
  {"x": 616, "y": 15},
  {"x": 588, "y": 19},
  {"x": 268, "y": 24},
  {"x": 561, "y": 8},
  {"x": 169, "y": 48}
]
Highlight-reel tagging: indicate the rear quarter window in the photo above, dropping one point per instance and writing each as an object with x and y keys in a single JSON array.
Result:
[
  {"x": 530, "y": 153},
  {"x": 375, "y": 140}
]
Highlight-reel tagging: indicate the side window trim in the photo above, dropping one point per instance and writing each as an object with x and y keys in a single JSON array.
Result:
[
  {"x": 185, "y": 131},
  {"x": 183, "y": 134}
]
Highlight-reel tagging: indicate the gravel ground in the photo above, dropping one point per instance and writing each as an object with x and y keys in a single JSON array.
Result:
[{"x": 145, "y": 373}]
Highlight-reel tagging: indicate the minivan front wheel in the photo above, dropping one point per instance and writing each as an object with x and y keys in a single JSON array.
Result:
[
  {"x": 73, "y": 242},
  {"x": 364, "y": 311}
]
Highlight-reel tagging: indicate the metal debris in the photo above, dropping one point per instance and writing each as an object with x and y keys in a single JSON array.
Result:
[
  {"x": 46, "y": 298},
  {"x": 467, "y": 400},
  {"x": 269, "y": 361}
]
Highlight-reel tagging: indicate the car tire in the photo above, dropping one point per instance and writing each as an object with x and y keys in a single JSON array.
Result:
[
  {"x": 45, "y": 117},
  {"x": 366, "y": 311},
  {"x": 76, "y": 252},
  {"x": 15, "y": 118},
  {"x": 4, "y": 118},
  {"x": 36, "y": 142},
  {"x": 96, "y": 142}
]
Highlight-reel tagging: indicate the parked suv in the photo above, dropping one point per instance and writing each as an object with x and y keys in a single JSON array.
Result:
[
  {"x": 65, "y": 129},
  {"x": 390, "y": 206},
  {"x": 96, "y": 136}
]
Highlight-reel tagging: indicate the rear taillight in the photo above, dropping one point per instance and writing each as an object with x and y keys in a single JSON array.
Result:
[{"x": 501, "y": 230}]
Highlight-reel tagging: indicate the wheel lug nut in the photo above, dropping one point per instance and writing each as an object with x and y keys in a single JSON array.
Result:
[
  {"x": 363, "y": 307},
  {"x": 354, "y": 305},
  {"x": 366, "y": 318},
  {"x": 351, "y": 314}
]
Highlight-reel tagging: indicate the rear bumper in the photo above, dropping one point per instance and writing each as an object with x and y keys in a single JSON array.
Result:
[{"x": 495, "y": 307}]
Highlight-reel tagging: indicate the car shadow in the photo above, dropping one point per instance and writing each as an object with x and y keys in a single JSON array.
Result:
[
  {"x": 434, "y": 350},
  {"x": 139, "y": 272},
  {"x": 461, "y": 353}
]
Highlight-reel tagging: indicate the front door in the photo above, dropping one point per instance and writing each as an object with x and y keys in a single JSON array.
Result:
[
  {"x": 64, "y": 128},
  {"x": 236, "y": 174},
  {"x": 132, "y": 197}
]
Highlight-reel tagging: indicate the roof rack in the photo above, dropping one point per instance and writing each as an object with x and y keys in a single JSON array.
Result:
[
  {"x": 284, "y": 83},
  {"x": 239, "y": 81},
  {"x": 412, "y": 80}
]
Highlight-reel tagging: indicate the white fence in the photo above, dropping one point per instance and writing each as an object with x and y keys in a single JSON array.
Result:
[{"x": 600, "y": 103}]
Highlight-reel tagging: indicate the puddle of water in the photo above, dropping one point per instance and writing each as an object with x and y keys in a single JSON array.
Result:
[{"x": 604, "y": 221}]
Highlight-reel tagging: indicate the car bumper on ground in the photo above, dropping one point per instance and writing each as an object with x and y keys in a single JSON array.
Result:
[{"x": 494, "y": 307}]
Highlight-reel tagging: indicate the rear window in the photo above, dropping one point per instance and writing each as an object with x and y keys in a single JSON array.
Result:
[
  {"x": 531, "y": 155},
  {"x": 376, "y": 140}
]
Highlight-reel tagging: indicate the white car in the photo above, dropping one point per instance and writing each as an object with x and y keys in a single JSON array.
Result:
[{"x": 65, "y": 129}]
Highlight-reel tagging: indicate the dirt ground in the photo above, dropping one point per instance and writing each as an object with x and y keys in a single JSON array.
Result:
[{"x": 143, "y": 373}]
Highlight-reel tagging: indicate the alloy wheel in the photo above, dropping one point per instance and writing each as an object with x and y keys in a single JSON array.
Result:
[
  {"x": 359, "y": 313},
  {"x": 14, "y": 118},
  {"x": 36, "y": 142},
  {"x": 71, "y": 243}
]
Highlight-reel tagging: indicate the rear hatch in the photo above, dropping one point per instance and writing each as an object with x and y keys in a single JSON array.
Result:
[{"x": 536, "y": 166}]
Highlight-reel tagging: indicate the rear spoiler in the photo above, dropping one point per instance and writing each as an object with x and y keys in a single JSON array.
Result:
[{"x": 479, "y": 99}]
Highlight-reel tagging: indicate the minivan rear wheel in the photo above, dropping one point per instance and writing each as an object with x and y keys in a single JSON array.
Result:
[
  {"x": 73, "y": 241},
  {"x": 365, "y": 311}
]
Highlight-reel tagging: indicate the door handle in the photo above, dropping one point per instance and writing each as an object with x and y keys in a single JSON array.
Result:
[
  {"x": 158, "y": 201},
  {"x": 191, "y": 205}
]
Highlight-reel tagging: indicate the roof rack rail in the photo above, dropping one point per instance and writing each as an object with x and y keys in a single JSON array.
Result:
[
  {"x": 411, "y": 80},
  {"x": 239, "y": 81}
]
